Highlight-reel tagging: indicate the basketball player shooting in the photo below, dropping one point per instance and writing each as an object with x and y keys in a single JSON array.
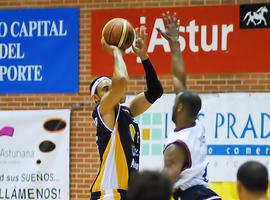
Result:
[
  {"x": 185, "y": 151},
  {"x": 118, "y": 137}
]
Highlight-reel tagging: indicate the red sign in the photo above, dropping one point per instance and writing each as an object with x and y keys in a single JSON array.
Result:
[{"x": 210, "y": 38}]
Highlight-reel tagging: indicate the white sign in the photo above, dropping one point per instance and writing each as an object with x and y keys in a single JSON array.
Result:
[
  {"x": 34, "y": 154},
  {"x": 237, "y": 129}
]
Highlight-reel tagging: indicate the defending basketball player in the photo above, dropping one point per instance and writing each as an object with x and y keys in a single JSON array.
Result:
[
  {"x": 185, "y": 151},
  {"x": 118, "y": 137}
]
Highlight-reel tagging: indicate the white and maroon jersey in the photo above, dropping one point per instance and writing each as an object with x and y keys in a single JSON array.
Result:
[{"x": 192, "y": 139}]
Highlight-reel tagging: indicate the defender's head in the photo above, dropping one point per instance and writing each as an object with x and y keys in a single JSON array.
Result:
[{"x": 187, "y": 105}]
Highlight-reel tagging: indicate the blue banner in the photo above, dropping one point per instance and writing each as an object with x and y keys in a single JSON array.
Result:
[{"x": 39, "y": 50}]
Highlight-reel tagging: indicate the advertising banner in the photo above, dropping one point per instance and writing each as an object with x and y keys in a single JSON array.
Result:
[
  {"x": 39, "y": 51},
  {"x": 34, "y": 154},
  {"x": 213, "y": 39},
  {"x": 237, "y": 130}
]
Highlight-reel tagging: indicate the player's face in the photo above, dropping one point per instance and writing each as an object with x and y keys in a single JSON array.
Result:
[
  {"x": 172, "y": 163},
  {"x": 104, "y": 88},
  {"x": 174, "y": 111},
  {"x": 177, "y": 110}
]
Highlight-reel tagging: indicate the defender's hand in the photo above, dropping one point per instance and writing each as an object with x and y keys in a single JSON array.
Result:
[
  {"x": 140, "y": 48},
  {"x": 172, "y": 25}
]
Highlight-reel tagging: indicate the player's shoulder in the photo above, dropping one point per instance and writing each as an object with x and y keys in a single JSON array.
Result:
[
  {"x": 175, "y": 138},
  {"x": 181, "y": 134},
  {"x": 125, "y": 109},
  {"x": 95, "y": 111}
]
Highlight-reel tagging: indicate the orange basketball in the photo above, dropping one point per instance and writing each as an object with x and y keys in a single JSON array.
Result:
[{"x": 118, "y": 32}]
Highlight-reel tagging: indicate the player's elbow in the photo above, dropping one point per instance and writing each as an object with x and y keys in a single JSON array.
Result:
[
  {"x": 159, "y": 90},
  {"x": 153, "y": 93},
  {"x": 120, "y": 80},
  {"x": 119, "y": 85}
]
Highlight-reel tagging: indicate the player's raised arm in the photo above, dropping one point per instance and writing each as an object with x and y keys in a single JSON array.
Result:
[
  {"x": 119, "y": 79},
  {"x": 171, "y": 34},
  {"x": 154, "y": 88}
]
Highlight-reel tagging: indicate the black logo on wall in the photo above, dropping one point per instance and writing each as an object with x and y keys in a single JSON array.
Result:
[
  {"x": 255, "y": 16},
  {"x": 52, "y": 125}
]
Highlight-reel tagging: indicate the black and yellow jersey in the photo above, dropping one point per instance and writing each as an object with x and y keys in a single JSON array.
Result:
[{"x": 119, "y": 151}]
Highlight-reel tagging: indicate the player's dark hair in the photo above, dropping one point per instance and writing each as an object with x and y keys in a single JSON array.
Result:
[
  {"x": 192, "y": 102},
  {"x": 253, "y": 176},
  {"x": 92, "y": 84},
  {"x": 149, "y": 185}
]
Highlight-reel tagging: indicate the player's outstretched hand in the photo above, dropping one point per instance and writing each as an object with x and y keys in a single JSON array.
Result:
[
  {"x": 172, "y": 25},
  {"x": 140, "y": 47}
]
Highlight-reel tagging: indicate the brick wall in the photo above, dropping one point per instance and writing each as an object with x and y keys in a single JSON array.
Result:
[{"x": 84, "y": 158}]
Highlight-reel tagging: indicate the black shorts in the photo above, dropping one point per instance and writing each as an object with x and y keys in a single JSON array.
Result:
[{"x": 197, "y": 192}]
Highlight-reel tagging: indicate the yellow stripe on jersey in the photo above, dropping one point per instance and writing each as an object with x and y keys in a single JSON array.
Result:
[
  {"x": 96, "y": 187},
  {"x": 116, "y": 195},
  {"x": 102, "y": 195},
  {"x": 121, "y": 162},
  {"x": 132, "y": 131}
]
